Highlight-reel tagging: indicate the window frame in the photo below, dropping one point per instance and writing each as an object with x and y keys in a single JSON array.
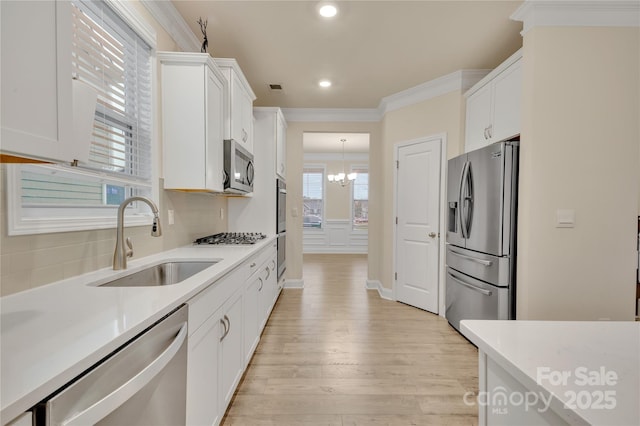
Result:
[
  {"x": 355, "y": 168},
  {"x": 316, "y": 166},
  {"x": 83, "y": 218}
]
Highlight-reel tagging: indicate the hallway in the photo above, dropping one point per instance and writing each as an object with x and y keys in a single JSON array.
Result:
[{"x": 336, "y": 354}]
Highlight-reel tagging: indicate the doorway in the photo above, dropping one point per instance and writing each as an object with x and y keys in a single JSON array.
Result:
[
  {"x": 419, "y": 191},
  {"x": 335, "y": 185}
]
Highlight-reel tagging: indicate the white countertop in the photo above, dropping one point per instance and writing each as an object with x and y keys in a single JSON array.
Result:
[
  {"x": 533, "y": 350},
  {"x": 51, "y": 334}
]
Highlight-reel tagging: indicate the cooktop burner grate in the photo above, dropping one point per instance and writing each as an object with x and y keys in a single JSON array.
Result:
[{"x": 232, "y": 238}]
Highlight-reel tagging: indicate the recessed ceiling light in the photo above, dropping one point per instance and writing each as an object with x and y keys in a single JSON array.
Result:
[
  {"x": 328, "y": 10},
  {"x": 324, "y": 83}
]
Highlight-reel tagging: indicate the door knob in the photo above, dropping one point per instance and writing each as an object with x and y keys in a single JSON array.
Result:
[{"x": 432, "y": 234}]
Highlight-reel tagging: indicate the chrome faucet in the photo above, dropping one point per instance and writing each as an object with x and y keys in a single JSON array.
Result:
[{"x": 121, "y": 253}]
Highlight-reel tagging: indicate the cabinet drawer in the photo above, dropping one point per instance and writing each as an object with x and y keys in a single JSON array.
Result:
[
  {"x": 260, "y": 260},
  {"x": 205, "y": 303}
]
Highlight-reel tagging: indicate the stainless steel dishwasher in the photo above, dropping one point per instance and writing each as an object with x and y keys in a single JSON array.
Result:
[{"x": 141, "y": 383}]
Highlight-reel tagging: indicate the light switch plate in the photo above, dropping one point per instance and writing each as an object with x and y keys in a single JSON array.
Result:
[
  {"x": 565, "y": 218},
  {"x": 171, "y": 217}
]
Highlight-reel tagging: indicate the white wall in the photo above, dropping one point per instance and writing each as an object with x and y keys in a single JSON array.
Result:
[
  {"x": 442, "y": 114},
  {"x": 579, "y": 150}
]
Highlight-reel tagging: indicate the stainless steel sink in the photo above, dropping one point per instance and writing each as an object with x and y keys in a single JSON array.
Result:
[{"x": 167, "y": 273}]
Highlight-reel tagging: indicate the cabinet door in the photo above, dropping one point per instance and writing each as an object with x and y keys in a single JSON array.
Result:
[
  {"x": 231, "y": 363},
  {"x": 239, "y": 101},
  {"x": 507, "y": 98},
  {"x": 251, "y": 318},
  {"x": 270, "y": 291},
  {"x": 202, "y": 373},
  {"x": 215, "y": 133},
  {"x": 281, "y": 147},
  {"x": 247, "y": 120},
  {"x": 478, "y": 119},
  {"x": 36, "y": 80},
  {"x": 183, "y": 124}
]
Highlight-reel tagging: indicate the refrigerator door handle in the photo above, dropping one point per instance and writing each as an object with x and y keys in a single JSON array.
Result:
[
  {"x": 461, "y": 200},
  {"x": 468, "y": 199},
  {"x": 486, "y": 263},
  {"x": 471, "y": 286}
]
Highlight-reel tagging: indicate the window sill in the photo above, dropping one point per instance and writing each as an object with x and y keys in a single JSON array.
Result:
[{"x": 50, "y": 226}]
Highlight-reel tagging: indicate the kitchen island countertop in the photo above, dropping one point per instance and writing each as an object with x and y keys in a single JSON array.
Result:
[
  {"x": 575, "y": 363},
  {"x": 51, "y": 334}
]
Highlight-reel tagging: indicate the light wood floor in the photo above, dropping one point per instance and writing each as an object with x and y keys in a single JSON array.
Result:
[{"x": 334, "y": 353}]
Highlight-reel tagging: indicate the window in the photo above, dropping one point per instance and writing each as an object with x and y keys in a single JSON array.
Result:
[
  {"x": 312, "y": 197},
  {"x": 109, "y": 55},
  {"x": 360, "y": 202}
]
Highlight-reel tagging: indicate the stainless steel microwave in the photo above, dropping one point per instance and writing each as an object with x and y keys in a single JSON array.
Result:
[{"x": 238, "y": 168}]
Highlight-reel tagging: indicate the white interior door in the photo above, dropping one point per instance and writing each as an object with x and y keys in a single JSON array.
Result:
[{"x": 418, "y": 221}]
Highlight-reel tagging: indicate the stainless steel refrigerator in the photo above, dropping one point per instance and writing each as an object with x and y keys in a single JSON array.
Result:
[{"x": 482, "y": 199}]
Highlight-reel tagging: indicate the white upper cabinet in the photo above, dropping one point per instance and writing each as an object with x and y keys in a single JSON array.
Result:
[
  {"x": 258, "y": 213},
  {"x": 239, "y": 124},
  {"x": 193, "y": 117},
  {"x": 494, "y": 105},
  {"x": 38, "y": 96}
]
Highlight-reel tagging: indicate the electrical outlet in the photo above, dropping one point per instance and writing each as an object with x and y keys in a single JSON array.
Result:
[{"x": 171, "y": 217}]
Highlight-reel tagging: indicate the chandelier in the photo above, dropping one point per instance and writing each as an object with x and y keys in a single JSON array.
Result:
[{"x": 342, "y": 178}]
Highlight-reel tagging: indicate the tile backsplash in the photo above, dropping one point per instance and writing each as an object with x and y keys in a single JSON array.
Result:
[{"x": 30, "y": 261}]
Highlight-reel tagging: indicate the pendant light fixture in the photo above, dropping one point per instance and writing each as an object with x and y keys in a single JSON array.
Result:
[{"x": 342, "y": 178}]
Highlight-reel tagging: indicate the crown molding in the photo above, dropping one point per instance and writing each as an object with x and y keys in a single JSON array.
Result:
[
  {"x": 332, "y": 114},
  {"x": 132, "y": 17},
  {"x": 577, "y": 13},
  {"x": 168, "y": 17},
  {"x": 494, "y": 73},
  {"x": 457, "y": 80}
]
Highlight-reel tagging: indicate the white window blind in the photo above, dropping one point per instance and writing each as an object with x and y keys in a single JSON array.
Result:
[{"x": 108, "y": 55}]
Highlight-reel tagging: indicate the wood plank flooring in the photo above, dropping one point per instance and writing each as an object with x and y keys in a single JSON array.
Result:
[{"x": 336, "y": 354}]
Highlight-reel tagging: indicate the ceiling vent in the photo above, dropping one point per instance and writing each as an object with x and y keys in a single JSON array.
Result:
[{"x": 275, "y": 87}]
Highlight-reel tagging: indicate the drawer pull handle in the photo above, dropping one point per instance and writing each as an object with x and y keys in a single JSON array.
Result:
[
  {"x": 227, "y": 327},
  {"x": 486, "y": 263},
  {"x": 471, "y": 286}
]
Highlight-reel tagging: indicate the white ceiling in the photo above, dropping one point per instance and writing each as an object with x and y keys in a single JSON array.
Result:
[{"x": 370, "y": 50}]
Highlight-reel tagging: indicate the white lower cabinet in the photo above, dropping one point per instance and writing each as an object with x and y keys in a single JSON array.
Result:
[
  {"x": 270, "y": 291},
  {"x": 231, "y": 361},
  {"x": 25, "y": 419},
  {"x": 259, "y": 299},
  {"x": 225, "y": 323},
  {"x": 202, "y": 374},
  {"x": 252, "y": 295}
]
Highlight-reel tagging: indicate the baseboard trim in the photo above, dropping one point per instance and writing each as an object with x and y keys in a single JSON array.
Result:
[
  {"x": 385, "y": 293},
  {"x": 291, "y": 283},
  {"x": 334, "y": 250}
]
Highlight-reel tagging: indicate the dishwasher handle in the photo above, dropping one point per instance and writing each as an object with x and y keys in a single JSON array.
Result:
[{"x": 111, "y": 402}]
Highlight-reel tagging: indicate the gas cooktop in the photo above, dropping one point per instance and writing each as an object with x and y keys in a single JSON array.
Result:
[{"x": 232, "y": 238}]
